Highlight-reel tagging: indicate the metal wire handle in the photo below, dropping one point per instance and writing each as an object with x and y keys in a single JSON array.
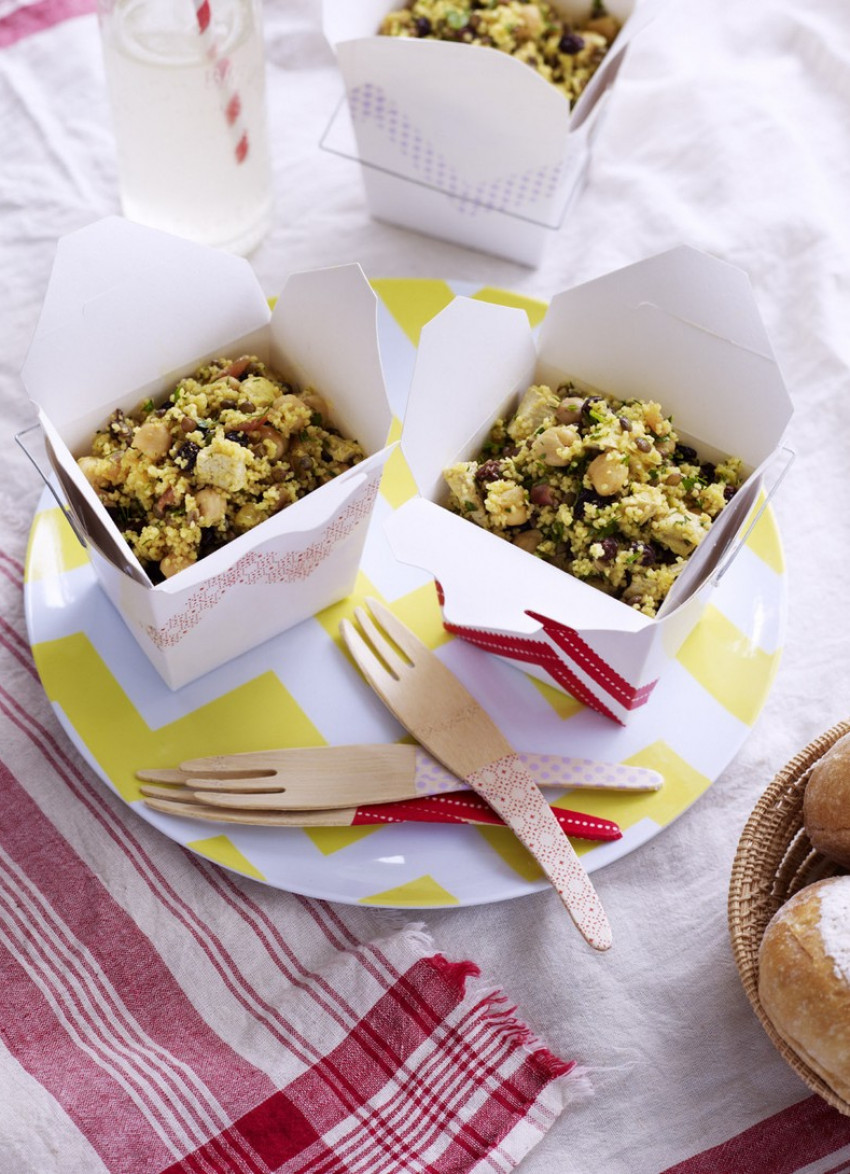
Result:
[
  {"x": 788, "y": 456},
  {"x": 48, "y": 481}
]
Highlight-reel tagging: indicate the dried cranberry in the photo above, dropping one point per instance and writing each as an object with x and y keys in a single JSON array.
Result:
[
  {"x": 707, "y": 471},
  {"x": 238, "y": 438},
  {"x": 645, "y": 552},
  {"x": 609, "y": 550},
  {"x": 571, "y": 43},
  {"x": 210, "y": 540},
  {"x": 187, "y": 454},
  {"x": 423, "y": 26},
  {"x": 729, "y": 492},
  {"x": 684, "y": 452},
  {"x": 489, "y": 471},
  {"x": 585, "y": 498}
]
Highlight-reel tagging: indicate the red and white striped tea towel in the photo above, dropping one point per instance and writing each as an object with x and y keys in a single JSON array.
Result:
[
  {"x": 158, "y": 1014},
  {"x": 807, "y": 1138}
]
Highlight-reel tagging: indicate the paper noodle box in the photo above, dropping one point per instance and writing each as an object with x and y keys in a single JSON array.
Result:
[
  {"x": 463, "y": 142},
  {"x": 681, "y": 329},
  {"x": 128, "y": 312}
]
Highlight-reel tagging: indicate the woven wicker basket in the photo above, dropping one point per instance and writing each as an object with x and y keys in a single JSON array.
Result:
[{"x": 773, "y": 862}]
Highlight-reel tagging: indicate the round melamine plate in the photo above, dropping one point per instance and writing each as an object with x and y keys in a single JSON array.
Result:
[{"x": 301, "y": 689}]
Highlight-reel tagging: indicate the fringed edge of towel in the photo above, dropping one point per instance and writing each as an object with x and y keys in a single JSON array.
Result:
[{"x": 550, "y": 1083}]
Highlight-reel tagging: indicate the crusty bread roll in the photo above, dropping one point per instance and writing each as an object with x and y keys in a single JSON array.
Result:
[
  {"x": 804, "y": 978},
  {"x": 826, "y": 803}
]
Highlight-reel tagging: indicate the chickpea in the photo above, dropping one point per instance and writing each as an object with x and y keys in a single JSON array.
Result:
[
  {"x": 532, "y": 23},
  {"x": 100, "y": 474},
  {"x": 92, "y": 471},
  {"x": 655, "y": 419},
  {"x": 287, "y": 401},
  {"x": 315, "y": 402},
  {"x": 506, "y": 503},
  {"x": 284, "y": 495},
  {"x": 153, "y": 439},
  {"x": 211, "y": 506},
  {"x": 248, "y": 517},
  {"x": 608, "y": 473},
  {"x": 554, "y": 444},
  {"x": 278, "y": 441},
  {"x": 569, "y": 410},
  {"x": 528, "y": 540},
  {"x": 172, "y": 563},
  {"x": 606, "y": 26}
]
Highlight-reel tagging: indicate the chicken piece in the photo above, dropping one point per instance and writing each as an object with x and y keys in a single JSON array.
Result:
[
  {"x": 680, "y": 531},
  {"x": 460, "y": 479},
  {"x": 537, "y": 405},
  {"x": 224, "y": 464}
]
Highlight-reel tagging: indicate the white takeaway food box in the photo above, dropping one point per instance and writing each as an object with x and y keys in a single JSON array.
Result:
[
  {"x": 681, "y": 328},
  {"x": 130, "y": 310},
  {"x": 463, "y": 142}
]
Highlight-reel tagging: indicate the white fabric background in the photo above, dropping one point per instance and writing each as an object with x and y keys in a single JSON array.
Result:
[{"x": 729, "y": 130}]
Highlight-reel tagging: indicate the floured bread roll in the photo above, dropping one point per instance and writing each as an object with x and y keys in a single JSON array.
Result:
[
  {"x": 804, "y": 978},
  {"x": 826, "y": 803}
]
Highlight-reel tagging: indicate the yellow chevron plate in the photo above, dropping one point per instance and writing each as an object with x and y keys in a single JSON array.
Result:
[{"x": 301, "y": 689}]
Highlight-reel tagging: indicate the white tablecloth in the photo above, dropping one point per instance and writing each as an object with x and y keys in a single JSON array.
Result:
[{"x": 729, "y": 129}]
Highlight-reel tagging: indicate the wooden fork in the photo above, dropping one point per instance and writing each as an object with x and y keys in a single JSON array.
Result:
[
  {"x": 307, "y": 777},
  {"x": 433, "y": 705}
]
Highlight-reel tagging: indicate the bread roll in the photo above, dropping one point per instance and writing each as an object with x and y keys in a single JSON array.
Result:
[
  {"x": 826, "y": 803},
  {"x": 804, "y": 978}
]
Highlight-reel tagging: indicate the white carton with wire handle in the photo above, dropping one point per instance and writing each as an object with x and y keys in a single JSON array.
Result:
[
  {"x": 681, "y": 328},
  {"x": 128, "y": 312},
  {"x": 461, "y": 141}
]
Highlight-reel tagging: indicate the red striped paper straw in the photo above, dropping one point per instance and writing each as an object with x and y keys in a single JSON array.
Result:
[{"x": 222, "y": 69}]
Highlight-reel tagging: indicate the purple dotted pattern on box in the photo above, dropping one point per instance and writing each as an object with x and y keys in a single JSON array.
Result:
[{"x": 510, "y": 194}]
